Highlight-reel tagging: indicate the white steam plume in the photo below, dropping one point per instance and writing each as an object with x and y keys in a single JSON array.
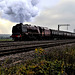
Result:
[{"x": 19, "y": 10}]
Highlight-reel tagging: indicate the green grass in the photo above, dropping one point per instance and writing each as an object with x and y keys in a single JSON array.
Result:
[{"x": 6, "y": 40}]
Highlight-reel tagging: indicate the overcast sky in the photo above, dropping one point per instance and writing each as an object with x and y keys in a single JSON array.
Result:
[{"x": 52, "y": 13}]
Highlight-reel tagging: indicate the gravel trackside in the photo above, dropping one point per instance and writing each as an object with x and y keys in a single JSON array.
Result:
[{"x": 24, "y": 56}]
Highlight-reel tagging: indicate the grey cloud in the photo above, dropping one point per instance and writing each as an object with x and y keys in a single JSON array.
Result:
[
  {"x": 19, "y": 10},
  {"x": 61, "y": 14}
]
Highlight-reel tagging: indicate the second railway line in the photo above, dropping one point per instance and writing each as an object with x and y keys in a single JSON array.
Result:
[{"x": 24, "y": 47}]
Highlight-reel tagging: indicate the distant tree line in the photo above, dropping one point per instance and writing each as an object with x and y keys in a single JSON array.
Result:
[{"x": 3, "y": 36}]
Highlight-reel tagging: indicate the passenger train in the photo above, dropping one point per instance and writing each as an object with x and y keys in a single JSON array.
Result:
[{"x": 21, "y": 32}]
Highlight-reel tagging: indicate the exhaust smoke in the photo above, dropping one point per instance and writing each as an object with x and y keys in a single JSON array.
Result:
[{"x": 18, "y": 10}]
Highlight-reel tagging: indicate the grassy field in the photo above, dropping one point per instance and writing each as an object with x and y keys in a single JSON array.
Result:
[
  {"x": 5, "y": 37},
  {"x": 56, "y": 62},
  {"x": 6, "y": 40}
]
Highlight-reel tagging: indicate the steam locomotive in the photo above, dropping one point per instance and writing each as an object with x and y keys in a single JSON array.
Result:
[{"x": 22, "y": 32}]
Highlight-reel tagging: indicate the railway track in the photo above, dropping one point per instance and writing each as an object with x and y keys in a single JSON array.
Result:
[
  {"x": 8, "y": 44},
  {"x": 7, "y": 48},
  {"x": 13, "y": 43}
]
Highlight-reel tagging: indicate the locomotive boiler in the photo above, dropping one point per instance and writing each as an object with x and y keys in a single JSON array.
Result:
[{"x": 21, "y": 32}]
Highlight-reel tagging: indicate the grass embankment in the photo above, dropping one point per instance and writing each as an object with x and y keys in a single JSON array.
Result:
[
  {"x": 51, "y": 63},
  {"x": 6, "y": 40}
]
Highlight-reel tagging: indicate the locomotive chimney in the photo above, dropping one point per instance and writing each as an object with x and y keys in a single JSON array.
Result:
[{"x": 21, "y": 23}]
